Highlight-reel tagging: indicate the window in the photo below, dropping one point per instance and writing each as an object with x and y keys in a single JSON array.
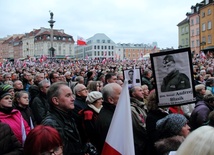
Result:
[
  {"x": 98, "y": 53},
  {"x": 192, "y": 22},
  {"x": 182, "y": 31},
  {"x": 203, "y": 27},
  {"x": 187, "y": 29},
  {"x": 209, "y": 12},
  {"x": 197, "y": 43},
  {"x": 187, "y": 41},
  {"x": 209, "y": 39},
  {"x": 102, "y": 53},
  {"x": 98, "y": 41},
  {"x": 108, "y": 41},
  {"x": 109, "y": 53},
  {"x": 95, "y": 53},
  {"x": 202, "y": 14},
  {"x": 192, "y": 45},
  {"x": 192, "y": 33},
  {"x": 206, "y": 1},
  {"x": 98, "y": 47},
  {"x": 103, "y": 41},
  {"x": 209, "y": 25},
  {"x": 203, "y": 39},
  {"x": 102, "y": 47},
  {"x": 197, "y": 31},
  {"x": 182, "y": 41},
  {"x": 197, "y": 20},
  {"x": 95, "y": 47}
]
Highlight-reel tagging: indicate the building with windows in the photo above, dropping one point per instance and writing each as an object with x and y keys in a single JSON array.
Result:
[
  {"x": 99, "y": 47},
  {"x": 183, "y": 34},
  {"x": 206, "y": 24}
]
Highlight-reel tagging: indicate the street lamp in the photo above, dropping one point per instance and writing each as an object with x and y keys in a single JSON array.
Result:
[{"x": 51, "y": 21}]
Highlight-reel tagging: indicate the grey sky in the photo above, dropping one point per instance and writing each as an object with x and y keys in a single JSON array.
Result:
[{"x": 124, "y": 21}]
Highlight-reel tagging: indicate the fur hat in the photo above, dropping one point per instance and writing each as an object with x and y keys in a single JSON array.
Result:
[
  {"x": 4, "y": 90},
  {"x": 171, "y": 125},
  {"x": 93, "y": 96}
]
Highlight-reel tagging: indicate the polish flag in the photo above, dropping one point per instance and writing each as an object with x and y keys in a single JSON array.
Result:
[
  {"x": 120, "y": 142},
  {"x": 81, "y": 41}
]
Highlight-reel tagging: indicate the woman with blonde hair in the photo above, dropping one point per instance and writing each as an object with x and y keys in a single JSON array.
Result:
[{"x": 198, "y": 142}]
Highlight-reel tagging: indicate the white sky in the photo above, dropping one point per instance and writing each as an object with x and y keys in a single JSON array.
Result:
[{"x": 123, "y": 21}]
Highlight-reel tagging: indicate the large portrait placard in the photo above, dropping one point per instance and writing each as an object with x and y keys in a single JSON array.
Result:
[{"x": 173, "y": 75}]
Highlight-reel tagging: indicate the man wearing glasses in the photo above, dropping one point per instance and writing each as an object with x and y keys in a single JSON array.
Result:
[{"x": 174, "y": 79}]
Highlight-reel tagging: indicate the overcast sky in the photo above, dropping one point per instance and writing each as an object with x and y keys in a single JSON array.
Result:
[{"x": 123, "y": 21}]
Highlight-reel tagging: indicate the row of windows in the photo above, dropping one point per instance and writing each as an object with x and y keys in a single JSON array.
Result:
[
  {"x": 185, "y": 41},
  {"x": 197, "y": 43},
  {"x": 184, "y": 30},
  {"x": 208, "y": 13},
  {"x": 102, "y": 53},
  {"x": 193, "y": 32},
  {"x": 192, "y": 21},
  {"x": 103, "y": 41},
  {"x": 209, "y": 26},
  {"x": 103, "y": 47},
  {"x": 209, "y": 39}
]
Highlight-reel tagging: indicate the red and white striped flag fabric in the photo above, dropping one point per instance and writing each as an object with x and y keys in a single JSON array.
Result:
[
  {"x": 81, "y": 41},
  {"x": 119, "y": 140}
]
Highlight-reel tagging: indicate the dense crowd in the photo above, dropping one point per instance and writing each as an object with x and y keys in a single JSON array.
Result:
[{"x": 66, "y": 107}]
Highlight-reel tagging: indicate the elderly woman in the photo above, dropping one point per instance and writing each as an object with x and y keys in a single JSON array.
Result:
[
  {"x": 173, "y": 129},
  {"x": 94, "y": 104}
]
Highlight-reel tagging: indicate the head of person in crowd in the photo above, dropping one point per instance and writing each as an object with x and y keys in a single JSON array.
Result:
[
  {"x": 93, "y": 86},
  {"x": 68, "y": 76},
  {"x": 6, "y": 104},
  {"x": 82, "y": 73},
  {"x": 60, "y": 96},
  {"x": 209, "y": 100},
  {"x": 95, "y": 98},
  {"x": 145, "y": 90},
  {"x": 26, "y": 76},
  {"x": 111, "y": 93},
  {"x": 38, "y": 77},
  {"x": 8, "y": 88},
  {"x": 102, "y": 78},
  {"x": 199, "y": 79},
  {"x": 100, "y": 85},
  {"x": 152, "y": 101},
  {"x": 1, "y": 77},
  {"x": 43, "y": 140},
  {"x": 54, "y": 77},
  {"x": 173, "y": 125},
  {"x": 120, "y": 82},
  {"x": 18, "y": 85},
  {"x": 44, "y": 85},
  {"x": 198, "y": 142},
  {"x": 200, "y": 90},
  {"x": 210, "y": 84},
  {"x": 110, "y": 78},
  {"x": 120, "y": 76},
  {"x": 90, "y": 75},
  {"x": 79, "y": 79},
  {"x": 62, "y": 77},
  {"x": 137, "y": 93},
  {"x": 7, "y": 77},
  {"x": 21, "y": 99},
  {"x": 9, "y": 82},
  {"x": 80, "y": 91}
]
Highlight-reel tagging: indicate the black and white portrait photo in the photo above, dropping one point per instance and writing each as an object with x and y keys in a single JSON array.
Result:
[
  {"x": 173, "y": 76},
  {"x": 133, "y": 76}
]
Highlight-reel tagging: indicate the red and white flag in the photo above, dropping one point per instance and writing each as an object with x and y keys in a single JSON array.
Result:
[
  {"x": 120, "y": 142},
  {"x": 81, "y": 41}
]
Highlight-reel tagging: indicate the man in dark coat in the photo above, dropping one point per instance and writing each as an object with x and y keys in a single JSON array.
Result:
[
  {"x": 111, "y": 93},
  {"x": 174, "y": 79},
  {"x": 61, "y": 100},
  {"x": 40, "y": 105}
]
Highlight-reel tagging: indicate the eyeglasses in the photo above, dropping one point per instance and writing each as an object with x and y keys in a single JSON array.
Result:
[
  {"x": 55, "y": 151},
  {"x": 84, "y": 89}
]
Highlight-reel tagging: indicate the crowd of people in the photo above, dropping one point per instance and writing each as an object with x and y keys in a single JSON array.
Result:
[{"x": 66, "y": 107}]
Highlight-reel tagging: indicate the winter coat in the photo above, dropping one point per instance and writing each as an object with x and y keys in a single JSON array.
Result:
[
  {"x": 33, "y": 91},
  {"x": 103, "y": 123},
  {"x": 15, "y": 121},
  {"x": 66, "y": 126},
  {"x": 9, "y": 144},
  {"x": 40, "y": 107},
  {"x": 147, "y": 82},
  {"x": 164, "y": 146},
  {"x": 139, "y": 114},
  {"x": 200, "y": 114}
]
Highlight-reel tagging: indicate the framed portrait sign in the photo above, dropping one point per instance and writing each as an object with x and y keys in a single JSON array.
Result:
[
  {"x": 173, "y": 75},
  {"x": 133, "y": 76}
]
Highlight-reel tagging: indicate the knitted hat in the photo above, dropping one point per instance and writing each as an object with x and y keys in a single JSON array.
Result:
[
  {"x": 171, "y": 125},
  {"x": 4, "y": 90},
  {"x": 93, "y": 96}
]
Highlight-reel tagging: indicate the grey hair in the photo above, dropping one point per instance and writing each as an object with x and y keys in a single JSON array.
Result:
[
  {"x": 109, "y": 90},
  {"x": 41, "y": 83},
  {"x": 77, "y": 88}
]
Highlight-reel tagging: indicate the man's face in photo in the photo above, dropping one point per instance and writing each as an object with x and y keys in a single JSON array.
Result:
[
  {"x": 169, "y": 67},
  {"x": 131, "y": 75}
]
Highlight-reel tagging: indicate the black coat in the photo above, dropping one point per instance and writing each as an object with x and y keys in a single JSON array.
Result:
[
  {"x": 103, "y": 123},
  {"x": 9, "y": 144},
  {"x": 65, "y": 124},
  {"x": 40, "y": 107}
]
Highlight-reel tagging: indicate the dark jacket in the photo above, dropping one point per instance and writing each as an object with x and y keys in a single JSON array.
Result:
[
  {"x": 175, "y": 81},
  {"x": 33, "y": 91},
  {"x": 103, "y": 123},
  {"x": 27, "y": 114},
  {"x": 139, "y": 115},
  {"x": 147, "y": 82},
  {"x": 9, "y": 145},
  {"x": 40, "y": 107},
  {"x": 200, "y": 114},
  {"x": 67, "y": 129},
  {"x": 153, "y": 135}
]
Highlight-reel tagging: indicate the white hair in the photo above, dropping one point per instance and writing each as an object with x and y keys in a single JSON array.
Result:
[{"x": 199, "y": 142}]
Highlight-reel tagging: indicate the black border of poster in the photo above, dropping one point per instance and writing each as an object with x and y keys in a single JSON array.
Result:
[{"x": 183, "y": 61}]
